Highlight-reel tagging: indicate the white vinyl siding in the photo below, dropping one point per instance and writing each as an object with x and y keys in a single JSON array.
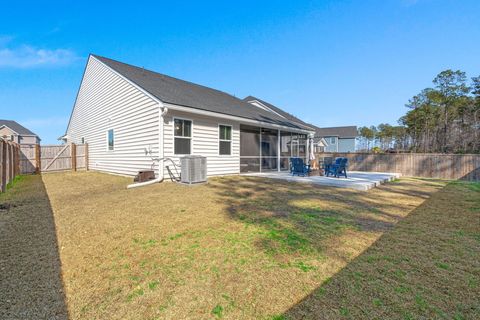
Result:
[
  {"x": 204, "y": 142},
  {"x": 346, "y": 145},
  {"x": 107, "y": 101}
]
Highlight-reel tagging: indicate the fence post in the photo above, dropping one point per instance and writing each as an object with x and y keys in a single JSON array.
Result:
[
  {"x": 17, "y": 159},
  {"x": 11, "y": 165},
  {"x": 73, "y": 155},
  {"x": 3, "y": 165},
  {"x": 38, "y": 162},
  {"x": 86, "y": 156}
]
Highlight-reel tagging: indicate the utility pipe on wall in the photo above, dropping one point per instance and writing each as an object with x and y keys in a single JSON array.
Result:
[{"x": 162, "y": 111}]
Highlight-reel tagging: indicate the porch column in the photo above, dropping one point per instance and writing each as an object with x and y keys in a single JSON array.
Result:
[
  {"x": 307, "y": 150},
  {"x": 260, "y": 157},
  {"x": 278, "y": 151}
]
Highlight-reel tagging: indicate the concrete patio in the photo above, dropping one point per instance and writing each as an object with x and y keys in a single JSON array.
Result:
[{"x": 356, "y": 180}]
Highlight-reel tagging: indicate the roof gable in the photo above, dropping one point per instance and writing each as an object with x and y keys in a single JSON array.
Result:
[
  {"x": 279, "y": 111},
  {"x": 183, "y": 93},
  {"x": 16, "y": 127}
]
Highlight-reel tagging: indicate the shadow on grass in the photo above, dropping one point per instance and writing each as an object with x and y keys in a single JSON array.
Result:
[
  {"x": 427, "y": 267},
  {"x": 30, "y": 277},
  {"x": 299, "y": 218}
]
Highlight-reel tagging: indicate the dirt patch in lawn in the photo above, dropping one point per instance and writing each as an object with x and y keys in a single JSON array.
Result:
[{"x": 235, "y": 248}]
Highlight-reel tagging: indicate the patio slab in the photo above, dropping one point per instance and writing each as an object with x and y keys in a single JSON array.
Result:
[{"x": 356, "y": 180}]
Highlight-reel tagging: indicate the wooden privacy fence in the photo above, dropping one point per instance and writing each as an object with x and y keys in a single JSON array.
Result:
[
  {"x": 434, "y": 165},
  {"x": 49, "y": 158},
  {"x": 9, "y": 162}
]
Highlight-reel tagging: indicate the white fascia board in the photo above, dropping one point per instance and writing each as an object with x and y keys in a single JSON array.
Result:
[
  {"x": 235, "y": 118},
  {"x": 257, "y": 103},
  {"x": 254, "y": 102}
]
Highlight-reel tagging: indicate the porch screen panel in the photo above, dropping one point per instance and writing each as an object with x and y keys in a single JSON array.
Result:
[
  {"x": 302, "y": 146},
  {"x": 269, "y": 143},
  {"x": 249, "y": 149},
  {"x": 295, "y": 144},
  {"x": 285, "y": 150}
]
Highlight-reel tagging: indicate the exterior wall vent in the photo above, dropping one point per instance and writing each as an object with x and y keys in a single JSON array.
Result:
[{"x": 194, "y": 169}]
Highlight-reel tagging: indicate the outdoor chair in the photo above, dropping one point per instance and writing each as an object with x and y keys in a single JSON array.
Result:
[
  {"x": 298, "y": 167},
  {"x": 337, "y": 169},
  {"x": 323, "y": 164}
]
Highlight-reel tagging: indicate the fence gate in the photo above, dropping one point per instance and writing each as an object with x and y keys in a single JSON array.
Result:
[
  {"x": 56, "y": 158},
  {"x": 50, "y": 158}
]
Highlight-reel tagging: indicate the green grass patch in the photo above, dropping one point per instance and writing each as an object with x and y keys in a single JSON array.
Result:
[
  {"x": 135, "y": 294},
  {"x": 15, "y": 181},
  {"x": 217, "y": 311},
  {"x": 153, "y": 285}
]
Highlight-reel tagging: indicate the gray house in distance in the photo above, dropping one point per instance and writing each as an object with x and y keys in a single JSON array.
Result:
[
  {"x": 338, "y": 139},
  {"x": 13, "y": 131}
]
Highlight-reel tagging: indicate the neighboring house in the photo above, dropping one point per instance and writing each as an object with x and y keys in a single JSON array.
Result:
[
  {"x": 338, "y": 139},
  {"x": 13, "y": 131},
  {"x": 129, "y": 116}
]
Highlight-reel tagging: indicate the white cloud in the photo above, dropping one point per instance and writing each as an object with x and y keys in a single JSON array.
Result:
[{"x": 26, "y": 56}]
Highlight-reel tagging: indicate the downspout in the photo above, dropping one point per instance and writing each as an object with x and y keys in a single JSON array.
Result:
[
  {"x": 161, "y": 154},
  {"x": 162, "y": 111}
]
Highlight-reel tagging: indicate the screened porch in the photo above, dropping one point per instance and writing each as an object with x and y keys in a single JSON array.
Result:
[{"x": 266, "y": 150}]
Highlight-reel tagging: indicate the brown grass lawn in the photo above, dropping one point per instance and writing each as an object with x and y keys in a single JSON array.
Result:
[{"x": 238, "y": 248}]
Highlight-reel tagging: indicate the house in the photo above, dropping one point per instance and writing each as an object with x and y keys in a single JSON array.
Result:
[
  {"x": 338, "y": 139},
  {"x": 13, "y": 131},
  {"x": 135, "y": 119}
]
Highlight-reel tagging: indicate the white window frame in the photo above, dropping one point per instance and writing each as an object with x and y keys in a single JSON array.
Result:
[
  {"x": 182, "y": 137},
  {"x": 108, "y": 147},
  {"x": 231, "y": 139}
]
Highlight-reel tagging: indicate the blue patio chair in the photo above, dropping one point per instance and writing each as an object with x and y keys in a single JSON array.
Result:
[
  {"x": 298, "y": 167},
  {"x": 337, "y": 169}
]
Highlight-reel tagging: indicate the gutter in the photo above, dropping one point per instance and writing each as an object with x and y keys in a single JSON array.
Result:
[{"x": 235, "y": 118}]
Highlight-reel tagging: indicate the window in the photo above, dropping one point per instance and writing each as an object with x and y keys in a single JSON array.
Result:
[
  {"x": 111, "y": 140},
  {"x": 183, "y": 136},
  {"x": 332, "y": 140},
  {"x": 225, "y": 140}
]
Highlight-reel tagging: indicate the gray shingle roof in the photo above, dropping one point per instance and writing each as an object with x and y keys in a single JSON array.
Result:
[
  {"x": 341, "y": 132},
  {"x": 18, "y": 128},
  {"x": 280, "y": 111},
  {"x": 179, "y": 92}
]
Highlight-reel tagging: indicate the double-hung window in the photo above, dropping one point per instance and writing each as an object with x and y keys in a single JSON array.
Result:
[
  {"x": 183, "y": 136},
  {"x": 224, "y": 140}
]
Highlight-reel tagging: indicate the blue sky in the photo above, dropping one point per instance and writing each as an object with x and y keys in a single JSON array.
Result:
[{"x": 328, "y": 62}]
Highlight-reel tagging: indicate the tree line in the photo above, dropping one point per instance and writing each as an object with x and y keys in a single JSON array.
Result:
[{"x": 443, "y": 119}]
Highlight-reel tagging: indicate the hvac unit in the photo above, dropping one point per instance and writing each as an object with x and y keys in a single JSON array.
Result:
[{"x": 193, "y": 169}]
